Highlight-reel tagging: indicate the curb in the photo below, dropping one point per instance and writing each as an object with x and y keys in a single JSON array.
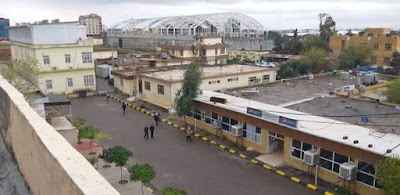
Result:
[{"x": 233, "y": 152}]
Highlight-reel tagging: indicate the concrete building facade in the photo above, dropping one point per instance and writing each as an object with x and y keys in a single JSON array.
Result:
[
  {"x": 4, "y": 24},
  {"x": 94, "y": 26},
  {"x": 290, "y": 134},
  {"x": 379, "y": 38},
  {"x": 62, "y": 53}
]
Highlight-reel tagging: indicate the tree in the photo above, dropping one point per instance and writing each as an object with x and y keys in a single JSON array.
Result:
[
  {"x": 345, "y": 61},
  {"x": 326, "y": 26},
  {"x": 141, "y": 172},
  {"x": 189, "y": 90},
  {"x": 314, "y": 41},
  {"x": 317, "y": 59},
  {"x": 388, "y": 175},
  {"x": 78, "y": 123},
  {"x": 287, "y": 71},
  {"x": 118, "y": 155},
  {"x": 91, "y": 133},
  {"x": 392, "y": 92},
  {"x": 395, "y": 63},
  {"x": 359, "y": 53},
  {"x": 173, "y": 191}
]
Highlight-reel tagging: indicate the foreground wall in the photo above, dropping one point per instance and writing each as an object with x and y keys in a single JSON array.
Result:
[{"x": 48, "y": 163}]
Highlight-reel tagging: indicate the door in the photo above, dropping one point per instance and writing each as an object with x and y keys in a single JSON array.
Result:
[
  {"x": 274, "y": 142},
  {"x": 140, "y": 86}
]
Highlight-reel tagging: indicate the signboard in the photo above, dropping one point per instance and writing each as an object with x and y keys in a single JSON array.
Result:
[
  {"x": 255, "y": 112},
  {"x": 210, "y": 58},
  {"x": 288, "y": 121}
]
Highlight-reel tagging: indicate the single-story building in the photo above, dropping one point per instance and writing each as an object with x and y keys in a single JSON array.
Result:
[{"x": 343, "y": 153}]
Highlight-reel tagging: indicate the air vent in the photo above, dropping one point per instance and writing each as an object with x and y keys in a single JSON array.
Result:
[
  {"x": 355, "y": 142},
  {"x": 389, "y": 151},
  {"x": 370, "y": 145},
  {"x": 218, "y": 100},
  {"x": 345, "y": 137}
]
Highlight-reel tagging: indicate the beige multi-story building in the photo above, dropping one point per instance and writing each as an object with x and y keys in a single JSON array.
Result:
[
  {"x": 209, "y": 50},
  {"x": 380, "y": 38},
  {"x": 63, "y": 54},
  {"x": 160, "y": 87},
  {"x": 94, "y": 26}
]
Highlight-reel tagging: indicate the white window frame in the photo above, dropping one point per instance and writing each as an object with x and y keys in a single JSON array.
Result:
[
  {"x": 88, "y": 80},
  {"x": 86, "y": 57},
  {"x": 70, "y": 82},
  {"x": 349, "y": 159},
  {"x": 145, "y": 86},
  {"x": 251, "y": 133},
  {"x": 46, "y": 60},
  {"x": 229, "y": 124},
  {"x": 49, "y": 84},
  {"x": 264, "y": 80},
  {"x": 67, "y": 58},
  {"x": 300, "y": 150},
  {"x": 369, "y": 174},
  {"x": 160, "y": 87}
]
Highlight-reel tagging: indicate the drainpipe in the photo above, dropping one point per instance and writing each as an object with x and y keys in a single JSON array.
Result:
[{"x": 316, "y": 175}]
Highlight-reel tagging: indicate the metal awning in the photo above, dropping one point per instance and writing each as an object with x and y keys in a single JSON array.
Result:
[{"x": 53, "y": 100}]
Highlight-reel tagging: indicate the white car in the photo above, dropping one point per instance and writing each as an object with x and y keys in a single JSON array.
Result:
[{"x": 266, "y": 64}]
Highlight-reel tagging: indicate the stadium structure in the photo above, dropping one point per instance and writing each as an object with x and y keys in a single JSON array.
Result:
[{"x": 229, "y": 24}]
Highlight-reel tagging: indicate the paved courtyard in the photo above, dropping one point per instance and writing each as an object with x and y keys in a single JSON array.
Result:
[{"x": 195, "y": 167}]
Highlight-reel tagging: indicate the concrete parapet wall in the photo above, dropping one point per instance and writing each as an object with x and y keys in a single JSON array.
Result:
[
  {"x": 48, "y": 163},
  {"x": 377, "y": 86}
]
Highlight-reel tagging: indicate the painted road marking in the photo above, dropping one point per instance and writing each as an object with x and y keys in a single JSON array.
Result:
[
  {"x": 242, "y": 156},
  {"x": 311, "y": 186},
  {"x": 295, "y": 179},
  {"x": 254, "y": 161},
  {"x": 151, "y": 190},
  {"x": 280, "y": 172},
  {"x": 266, "y": 166}
]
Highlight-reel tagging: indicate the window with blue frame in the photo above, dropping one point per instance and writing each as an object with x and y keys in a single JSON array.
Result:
[{"x": 252, "y": 132}]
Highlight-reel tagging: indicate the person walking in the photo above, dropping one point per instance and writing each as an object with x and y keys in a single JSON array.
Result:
[
  {"x": 156, "y": 117},
  {"x": 152, "y": 130},
  {"x": 108, "y": 95},
  {"x": 124, "y": 107},
  {"x": 146, "y": 132},
  {"x": 188, "y": 134}
]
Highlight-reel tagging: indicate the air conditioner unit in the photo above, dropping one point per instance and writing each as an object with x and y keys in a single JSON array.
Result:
[
  {"x": 54, "y": 68},
  {"x": 237, "y": 130},
  {"x": 311, "y": 157},
  {"x": 347, "y": 171}
]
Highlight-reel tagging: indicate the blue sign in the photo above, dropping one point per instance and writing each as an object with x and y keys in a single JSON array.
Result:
[
  {"x": 288, "y": 121},
  {"x": 255, "y": 112},
  {"x": 364, "y": 119}
]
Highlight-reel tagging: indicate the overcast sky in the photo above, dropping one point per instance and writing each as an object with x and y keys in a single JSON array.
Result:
[{"x": 273, "y": 14}]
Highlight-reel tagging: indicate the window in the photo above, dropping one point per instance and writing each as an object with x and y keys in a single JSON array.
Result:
[
  {"x": 298, "y": 148},
  {"x": 213, "y": 82},
  {"x": 373, "y": 60},
  {"x": 67, "y": 58},
  {"x": 265, "y": 78},
  {"x": 388, "y": 46},
  {"x": 332, "y": 160},
  {"x": 160, "y": 89},
  {"x": 46, "y": 60},
  {"x": 222, "y": 51},
  {"x": 147, "y": 86},
  {"x": 122, "y": 82},
  {"x": 88, "y": 80},
  {"x": 181, "y": 52},
  {"x": 216, "y": 52},
  {"x": 252, "y": 80},
  {"x": 386, "y": 61},
  {"x": 233, "y": 79},
  {"x": 86, "y": 57},
  {"x": 376, "y": 45},
  {"x": 366, "y": 174},
  {"x": 49, "y": 84},
  {"x": 227, "y": 123},
  {"x": 252, "y": 133},
  {"x": 197, "y": 114},
  {"x": 69, "y": 82}
]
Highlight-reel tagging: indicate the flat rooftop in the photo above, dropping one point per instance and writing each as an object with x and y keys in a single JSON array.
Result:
[
  {"x": 208, "y": 72},
  {"x": 314, "y": 125}
]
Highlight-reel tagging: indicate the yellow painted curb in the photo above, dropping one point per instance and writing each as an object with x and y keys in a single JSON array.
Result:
[
  {"x": 279, "y": 172},
  {"x": 151, "y": 190},
  {"x": 212, "y": 141},
  {"x": 328, "y": 193},
  {"x": 125, "y": 168},
  {"x": 163, "y": 120},
  {"x": 222, "y": 146},
  {"x": 266, "y": 166},
  {"x": 311, "y": 186},
  {"x": 137, "y": 108},
  {"x": 148, "y": 113},
  {"x": 232, "y": 151},
  {"x": 197, "y": 135},
  {"x": 254, "y": 161},
  {"x": 242, "y": 156},
  {"x": 183, "y": 128},
  {"x": 295, "y": 179},
  {"x": 204, "y": 138},
  {"x": 152, "y": 114},
  {"x": 176, "y": 126},
  {"x": 169, "y": 123}
]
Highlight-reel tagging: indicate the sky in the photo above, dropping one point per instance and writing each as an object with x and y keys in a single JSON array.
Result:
[{"x": 272, "y": 14}]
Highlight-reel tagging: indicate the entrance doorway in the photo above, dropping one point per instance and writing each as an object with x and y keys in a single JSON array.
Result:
[
  {"x": 140, "y": 86},
  {"x": 275, "y": 142}
]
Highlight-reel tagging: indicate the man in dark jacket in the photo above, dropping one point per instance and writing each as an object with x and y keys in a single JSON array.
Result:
[
  {"x": 124, "y": 107},
  {"x": 146, "y": 132},
  {"x": 152, "y": 131}
]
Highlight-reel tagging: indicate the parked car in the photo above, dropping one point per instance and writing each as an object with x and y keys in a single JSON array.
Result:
[{"x": 266, "y": 64}]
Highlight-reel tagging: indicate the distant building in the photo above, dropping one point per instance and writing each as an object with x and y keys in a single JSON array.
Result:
[
  {"x": 160, "y": 87},
  {"x": 206, "y": 49},
  {"x": 380, "y": 38},
  {"x": 94, "y": 26},
  {"x": 4, "y": 24},
  {"x": 64, "y": 55}
]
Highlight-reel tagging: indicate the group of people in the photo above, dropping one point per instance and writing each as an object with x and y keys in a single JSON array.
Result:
[{"x": 146, "y": 131}]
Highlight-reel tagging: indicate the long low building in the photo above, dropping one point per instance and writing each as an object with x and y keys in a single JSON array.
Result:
[
  {"x": 300, "y": 139},
  {"x": 160, "y": 87}
]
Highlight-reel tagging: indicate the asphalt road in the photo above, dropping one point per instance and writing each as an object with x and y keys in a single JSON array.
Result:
[{"x": 195, "y": 167}]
